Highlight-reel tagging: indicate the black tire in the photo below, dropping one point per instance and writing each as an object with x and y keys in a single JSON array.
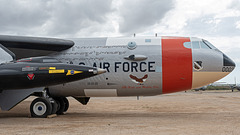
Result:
[
  {"x": 40, "y": 108},
  {"x": 57, "y": 104},
  {"x": 54, "y": 107},
  {"x": 65, "y": 100},
  {"x": 61, "y": 106}
]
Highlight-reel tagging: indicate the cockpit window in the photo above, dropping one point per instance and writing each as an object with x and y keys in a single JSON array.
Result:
[
  {"x": 209, "y": 44},
  {"x": 195, "y": 45},
  {"x": 204, "y": 46}
]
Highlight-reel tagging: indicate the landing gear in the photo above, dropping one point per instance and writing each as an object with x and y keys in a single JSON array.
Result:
[
  {"x": 66, "y": 104},
  {"x": 55, "y": 107},
  {"x": 43, "y": 106},
  {"x": 40, "y": 108},
  {"x": 63, "y": 105}
]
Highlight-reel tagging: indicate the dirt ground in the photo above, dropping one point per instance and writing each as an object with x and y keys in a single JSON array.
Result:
[{"x": 194, "y": 113}]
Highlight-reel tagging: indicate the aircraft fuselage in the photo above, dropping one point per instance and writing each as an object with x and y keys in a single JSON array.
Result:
[{"x": 142, "y": 66}]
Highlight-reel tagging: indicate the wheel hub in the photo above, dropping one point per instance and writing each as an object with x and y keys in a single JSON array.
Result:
[{"x": 39, "y": 108}]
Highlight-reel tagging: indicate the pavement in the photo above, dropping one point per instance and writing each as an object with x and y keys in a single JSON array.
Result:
[{"x": 190, "y": 113}]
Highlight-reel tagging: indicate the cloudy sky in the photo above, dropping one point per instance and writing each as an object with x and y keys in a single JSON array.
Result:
[{"x": 215, "y": 20}]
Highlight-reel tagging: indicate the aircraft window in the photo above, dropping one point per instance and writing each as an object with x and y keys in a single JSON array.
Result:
[
  {"x": 147, "y": 40},
  {"x": 187, "y": 44},
  {"x": 204, "y": 46},
  {"x": 209, "y": 44},
  {"x": 132, "y": 45},
  {"x": 195, "y": 45}
]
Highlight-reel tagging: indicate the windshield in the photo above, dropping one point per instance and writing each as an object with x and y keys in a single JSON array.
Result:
[
  {"x": 202, "y": 44},
  {"x": 209, "y": 44}
]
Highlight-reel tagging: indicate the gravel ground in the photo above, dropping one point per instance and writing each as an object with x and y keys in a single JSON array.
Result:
[{"x": 194, "y": 113}]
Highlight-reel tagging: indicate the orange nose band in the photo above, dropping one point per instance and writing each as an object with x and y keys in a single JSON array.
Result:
[{"x": 176, "y": 65}]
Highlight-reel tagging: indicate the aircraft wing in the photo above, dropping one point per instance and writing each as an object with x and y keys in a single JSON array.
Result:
[
  {"x": 10, "y": 98},
  {"x": 22, "y": 47}
]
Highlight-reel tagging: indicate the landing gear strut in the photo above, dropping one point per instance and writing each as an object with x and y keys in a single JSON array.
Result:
[{"x": 45, "y": 105}]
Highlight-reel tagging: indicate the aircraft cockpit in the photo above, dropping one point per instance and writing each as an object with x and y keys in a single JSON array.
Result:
[{"x": 200, "y": 44}]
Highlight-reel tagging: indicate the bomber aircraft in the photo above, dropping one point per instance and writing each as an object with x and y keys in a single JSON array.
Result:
[{"x": 52, "y": 69}]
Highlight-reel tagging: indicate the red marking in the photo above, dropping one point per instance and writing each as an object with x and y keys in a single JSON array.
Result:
[
  {"x": 176, "y": 65},
  {"x": 24, "y": 60},
  {"x": 30, "y": 76}
]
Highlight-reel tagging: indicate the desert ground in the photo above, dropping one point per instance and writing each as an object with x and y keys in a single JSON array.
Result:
[{"x": 190, "y": 113}]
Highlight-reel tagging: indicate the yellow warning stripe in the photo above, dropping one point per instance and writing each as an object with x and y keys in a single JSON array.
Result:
[
  {"x": 56, "y": 71},
  {"x": 52, "y": 68}
]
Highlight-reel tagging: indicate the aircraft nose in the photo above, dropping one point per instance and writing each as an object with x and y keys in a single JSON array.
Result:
[
  {"x": 218, "y": 66},
  {"x": 101, "y": 71},
  {"x": 227, "y": 61}
]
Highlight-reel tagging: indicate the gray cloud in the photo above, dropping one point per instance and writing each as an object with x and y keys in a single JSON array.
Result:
[
  {"x": 22, "y": 15},
  {"x": 73, "y": 16},
  {"x": 235, "y": 4},
  {"x": 76, "y": 18},
  {"x": 52, "y": 17},
  {"x": 138, "y": 15},
  {"x": 69, "y": 18}
]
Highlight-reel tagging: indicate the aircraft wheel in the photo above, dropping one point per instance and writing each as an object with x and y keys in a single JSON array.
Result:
[
  {"x": 54, "y": 107},
  {"x": 40, "y": 108},
  {"x": 61, "y": 106},
  {"x": 65, "y": 100}
]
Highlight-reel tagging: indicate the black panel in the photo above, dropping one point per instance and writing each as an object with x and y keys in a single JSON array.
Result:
[
  {"x": 24, "y": 47},
  {"x": 83, "y": 100},
  {"x": 227, "y": 61},
  {"x": 26, "y": 53},
  {"x": 50, "y": 44}
]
